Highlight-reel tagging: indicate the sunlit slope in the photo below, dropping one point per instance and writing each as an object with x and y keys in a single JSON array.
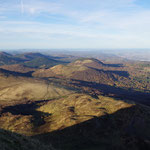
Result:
[
  {"x": 22, "y": 88},
  {"x": 82, "y": 122},
  {"x": 77, "y": 108},
  {"x": 89, "y": 62},
  {"x": 77, "y": 117},
  {"x": 58, "y": 114},
  {"x": 47, "y": 116}
]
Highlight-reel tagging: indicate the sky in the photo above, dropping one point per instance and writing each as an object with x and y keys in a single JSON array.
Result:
[{"x": 98, "y": 24}]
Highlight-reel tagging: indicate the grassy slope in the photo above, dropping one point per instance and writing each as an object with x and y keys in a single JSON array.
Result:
[
  {"x": 79, "y": 121},
  {"x": 126, "y": 128},
  {"x": 57, "y": 114},
  {"x": 77, "y": 108},
  {"x": 82, "y": 122},
  {"x": 22, "y": 88}
]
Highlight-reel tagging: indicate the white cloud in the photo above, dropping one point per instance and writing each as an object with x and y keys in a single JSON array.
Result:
[
  {"x": 31, "y": 7},
  {"x": 81, "y": 35},
  {"x": 38, "y": 7},
  {"x": 63, "y": 6},
  {"x": 86, "y": 23}
]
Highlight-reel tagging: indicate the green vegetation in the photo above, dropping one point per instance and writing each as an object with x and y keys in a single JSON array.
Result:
[
  {"x": 41, "y": 63},
  {"x": 8, "y": 60},
  {"x": 33, "y": 60}
]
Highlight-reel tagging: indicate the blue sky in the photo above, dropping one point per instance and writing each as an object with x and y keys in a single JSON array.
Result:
[{"x": 74, "y": 24}]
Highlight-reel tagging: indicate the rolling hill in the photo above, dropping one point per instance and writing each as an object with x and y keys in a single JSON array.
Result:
[
  {"x": 32, "y": 60},
  {"x": 8, "y": 59},
  {"x": 82, "y": 105},
  {"x": 83, "y": 69},
  {"x": 18, "y": 68},
  {"x": 128, "y": 75},
  {"x": 38, "y": 60},
  {"x": 30, "y": 56},
  {"x": 41, "y": 62}
]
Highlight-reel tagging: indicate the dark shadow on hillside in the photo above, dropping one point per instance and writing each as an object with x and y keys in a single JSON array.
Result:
[
  {"x": 114, "y": 65},
  {"x": 28, "y": 109},
  {"x": 95, "y": 89},
  {"x": 14, "y": 141},
  {"x": 8, "y": 73},
  {"x": 116, "y": 92},
  {"x": 111, "y": 72},
  {"x": 29, "y": 74},
  {"x": 126, "y": 129}
]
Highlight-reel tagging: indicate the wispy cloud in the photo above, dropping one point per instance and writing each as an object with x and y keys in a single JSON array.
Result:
[
  {"x": 22, "y": 7},
  {"x": 78, "y": 23},
  {"x": 38, "y": 7}
]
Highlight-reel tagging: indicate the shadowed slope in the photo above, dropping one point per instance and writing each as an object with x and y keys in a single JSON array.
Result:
[
  {"x": 8, "y": 59},
  {"x": 112, "y": 91},
  {"x": 127, "y": 128},
  {"x": 17, "y": 68},
  {"x": 14, "y": 141},
  {"x": 6, "y": 73}
]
